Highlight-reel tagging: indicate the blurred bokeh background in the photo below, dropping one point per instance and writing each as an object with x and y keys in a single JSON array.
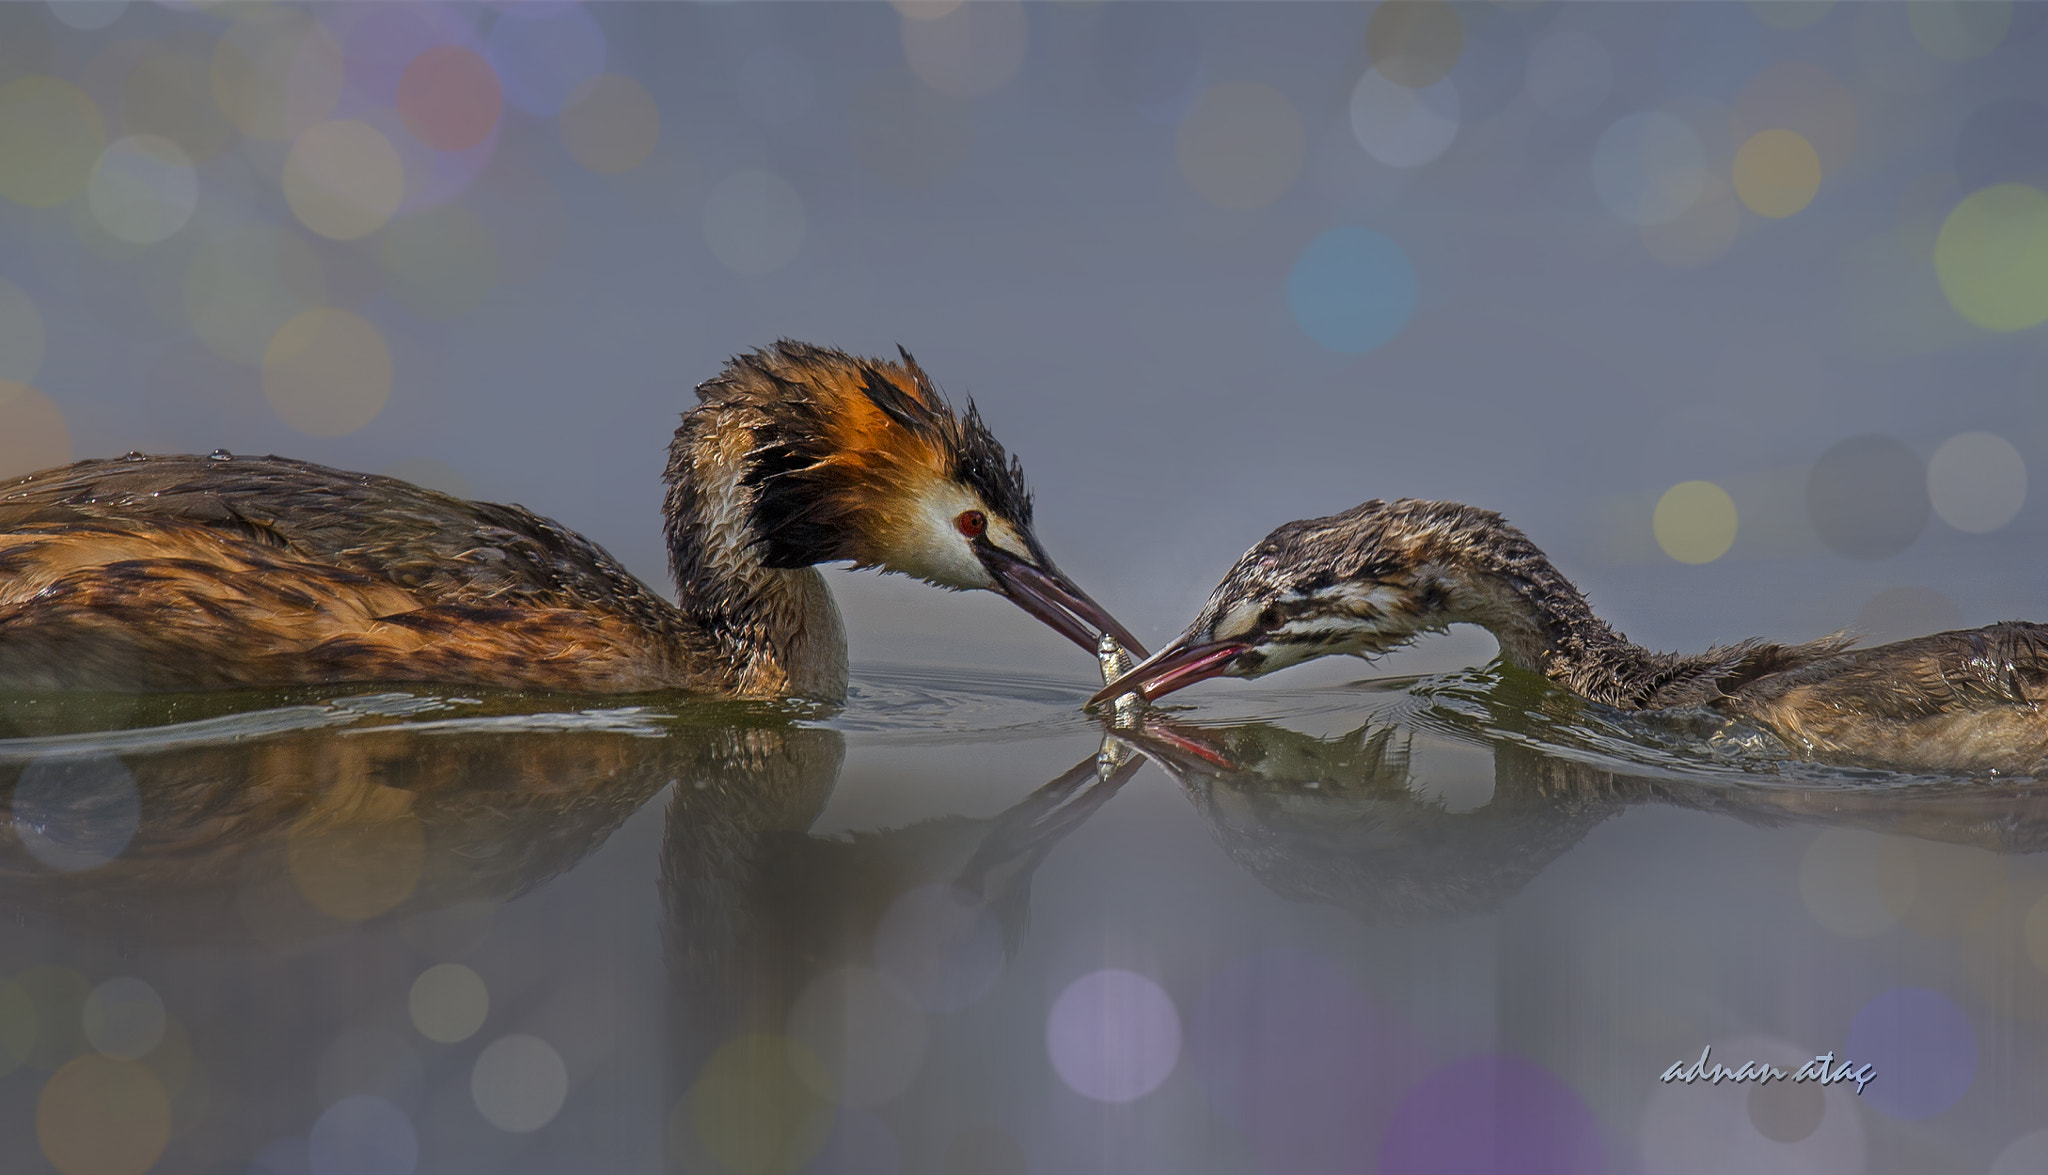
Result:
[{"x": 1733, "y": 307}]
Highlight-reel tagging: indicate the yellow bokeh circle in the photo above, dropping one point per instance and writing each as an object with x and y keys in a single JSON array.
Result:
[
  {"x": 1695, "y": 522},
  {"x": 102, "y": 1115},
  {"x": 50, "y": 136},
  {"x": 344, "y": 179},
  {"x": 1777, "y": 173},
  {"x": 1992, "y": 257},
  {"x": 448, "y": 1003},
  {"x": 755, "y": 1105},
  {"x": 327, "y": 372}
]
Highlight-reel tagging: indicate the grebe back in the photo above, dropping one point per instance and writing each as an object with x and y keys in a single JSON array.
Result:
[{"x": 182, "y": 573}]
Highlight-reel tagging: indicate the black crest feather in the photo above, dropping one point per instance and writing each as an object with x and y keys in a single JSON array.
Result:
[{"x": 806, "y": 503}]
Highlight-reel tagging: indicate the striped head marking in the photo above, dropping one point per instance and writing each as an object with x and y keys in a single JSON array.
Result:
[{"x": 1361, "y": 583}]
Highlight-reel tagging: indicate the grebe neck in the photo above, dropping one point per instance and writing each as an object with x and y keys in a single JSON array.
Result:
[
  {"x": 778, "y": 627},
  {"x": 1546, "y": 626}
]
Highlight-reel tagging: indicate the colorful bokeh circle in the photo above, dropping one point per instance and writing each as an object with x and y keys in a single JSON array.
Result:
[
  {"x": 1921, "y": 1045},
  {"x": 1113, "y": 1035},
  {"x": 1493, "y": 1113},
  {"x": 1352, "y": 290}
]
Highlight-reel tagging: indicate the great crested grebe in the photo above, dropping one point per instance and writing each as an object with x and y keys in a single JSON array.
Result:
[
  {"x": 1377, "y": 576},
  {"x": 183, "y": 573}
]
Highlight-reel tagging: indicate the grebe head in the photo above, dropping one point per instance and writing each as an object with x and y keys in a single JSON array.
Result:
[
  {"x": 864, "y": 461},
  {"x": 1362, "y": 582}
]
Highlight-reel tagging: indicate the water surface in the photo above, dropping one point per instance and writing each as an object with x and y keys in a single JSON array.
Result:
[{"x": 1401, "y": 924}]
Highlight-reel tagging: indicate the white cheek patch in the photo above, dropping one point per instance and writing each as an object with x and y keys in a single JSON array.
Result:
[
  {"x": 932, "y": 546},
  {"x": 1350, "y": 618},
  {"x": 1325, "y": 629},
  {"x": 1279, "y": 656}
]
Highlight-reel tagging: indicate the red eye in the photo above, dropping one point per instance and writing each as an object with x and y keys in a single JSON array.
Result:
[{"x": 972, "y": 523}]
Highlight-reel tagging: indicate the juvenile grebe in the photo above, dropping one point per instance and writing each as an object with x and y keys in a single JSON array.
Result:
[
  {"x": 1375, "y": 577},
  {"x": 182, "y": 573}
]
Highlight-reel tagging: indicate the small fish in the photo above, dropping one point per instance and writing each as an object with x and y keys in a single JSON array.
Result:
[{"x": 1115, "y": 663}]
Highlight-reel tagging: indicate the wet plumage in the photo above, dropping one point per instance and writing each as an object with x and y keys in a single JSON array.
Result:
[
  {"x": 178, "y": 573},
  {"x": 1377, "y": 576}
]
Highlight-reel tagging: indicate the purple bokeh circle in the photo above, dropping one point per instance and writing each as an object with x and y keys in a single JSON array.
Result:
[
  {"x": 1113, "y": 1036},
  {"x": 1492, "y": 1113},
  {"x": 1921, "y": 1046},
  {"x": 543, "y": 52},
  {"x": 1287, "y": 1049},
  {"x": 363, "y": 1135}
]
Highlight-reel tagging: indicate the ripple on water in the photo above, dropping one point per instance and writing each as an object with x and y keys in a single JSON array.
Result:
[
  {"x": 1494, "y": 705},
  {"x": 913, "y": 705},
  {"x": 88, "y": 725},
  {"x": 921, "y": 704}
]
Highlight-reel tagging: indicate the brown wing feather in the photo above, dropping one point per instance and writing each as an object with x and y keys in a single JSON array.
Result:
[
  {"x": 1695, "y": 679},
  {"x": 443, "y": 549},
  {"x": 1967, "y": 700},
  {"x": 192, "y": 573},
  {"x": 184, "y": 607}
]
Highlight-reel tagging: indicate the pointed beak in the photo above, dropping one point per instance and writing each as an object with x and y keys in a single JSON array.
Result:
[
  {"x": 1052, "y": 597},
  {"x": 1180, "y": 664}
]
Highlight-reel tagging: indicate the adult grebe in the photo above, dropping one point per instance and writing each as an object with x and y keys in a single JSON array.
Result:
[
  {"x": 1373, "y": 578},
  {"x": 180, "y": 573}
]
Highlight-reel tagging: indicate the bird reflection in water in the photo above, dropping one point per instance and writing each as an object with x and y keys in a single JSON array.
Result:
[
  {"x": 289, "y": 821},
  {"x": 804, "y": 972},
  {"x": 1346, "y": 820},
  {"x": 302, "y": 841}
]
